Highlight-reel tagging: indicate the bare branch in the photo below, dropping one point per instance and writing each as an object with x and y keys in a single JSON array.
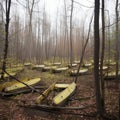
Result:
[{"x": 83, "y": 5}]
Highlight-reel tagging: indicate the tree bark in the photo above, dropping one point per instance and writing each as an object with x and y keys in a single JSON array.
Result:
[
  {"x": 102, "y": 57},
  {"x": 117, "y": 41},
  {"x": 96, "y": 57}
]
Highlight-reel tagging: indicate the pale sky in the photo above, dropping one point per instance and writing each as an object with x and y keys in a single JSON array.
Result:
[{"x": 81, "y": 13}]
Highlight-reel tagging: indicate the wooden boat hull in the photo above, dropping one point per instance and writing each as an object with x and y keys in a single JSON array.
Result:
[
  {"x": 38, "y": 67},
  {"x": 73, "y": 65},
  {"x": 81, "y": 72},
  {"x": 23, "y": 90},
  {"x": 59, "y": 70},
  {"x": 11, "y": 73},
  {"x": 18, "y": 85},
  {"x": 77, "y": 62},
  {"x": 111, "y": 75},
  {"x": 46, "y": 69},
  {"x": 87, "y": 65},
  {"x": 56, "y": 64},
  {"x": 61, "y": 86},
  {"x": 63, "y": 96}
]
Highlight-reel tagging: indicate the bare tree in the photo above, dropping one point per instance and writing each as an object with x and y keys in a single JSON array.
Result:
[
  {"x": 84, "y": 48},
  {"x": 7, "y": 7},
  {"x": 102, "y": 56},
  {"x": 56, "y": 38},
  {"x": 66, "y": 30},
  {"x": 30, "y": 7},
  {"x": 71, "y": 45},
  {"x": 117, "y": 40},
  {"x": 1, "y": 29}
]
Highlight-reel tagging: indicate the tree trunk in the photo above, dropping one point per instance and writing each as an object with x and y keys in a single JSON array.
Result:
[
  {"x": 117, "y": 41},
  {"x": 96, "y": 57},
  {"x": 102, "y": 56},
  {"x": 8, "y": 6},
  {"x": 83, "y": 50},
  {"x": 71, "y": 47},
  {"x": 56, "y": 38}
]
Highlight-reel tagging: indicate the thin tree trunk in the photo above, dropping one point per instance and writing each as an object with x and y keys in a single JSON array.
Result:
[
  {"x": 117, "y": 41},
  {"x": 102, "y": 57},
  {"x": 83, "y": 50},
  {"x": 66, "y": 32},
  {"x": 56, "y": 38},
  {"x": 8, "y": 6},
  {"x": 71, "y": 40}
]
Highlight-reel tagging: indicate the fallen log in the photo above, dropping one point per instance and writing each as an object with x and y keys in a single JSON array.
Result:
[{"x": 56, "y": 108}]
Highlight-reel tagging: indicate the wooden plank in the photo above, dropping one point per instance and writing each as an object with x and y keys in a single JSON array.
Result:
[
  {"x": 45, "y": 94},
  {"x": 64, "y": 95}
]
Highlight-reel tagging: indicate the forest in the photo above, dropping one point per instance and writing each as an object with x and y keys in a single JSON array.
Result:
[{"x": 59, "y": 60}]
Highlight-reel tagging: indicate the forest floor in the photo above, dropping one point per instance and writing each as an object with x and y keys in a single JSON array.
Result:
[{"x": 10, "y": 108}]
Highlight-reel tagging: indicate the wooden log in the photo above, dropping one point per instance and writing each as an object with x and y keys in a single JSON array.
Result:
[{"x": 57, "y": 108}]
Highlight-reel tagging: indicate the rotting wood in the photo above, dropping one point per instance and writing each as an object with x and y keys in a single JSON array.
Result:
[{"x": 45, "y": 94}]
